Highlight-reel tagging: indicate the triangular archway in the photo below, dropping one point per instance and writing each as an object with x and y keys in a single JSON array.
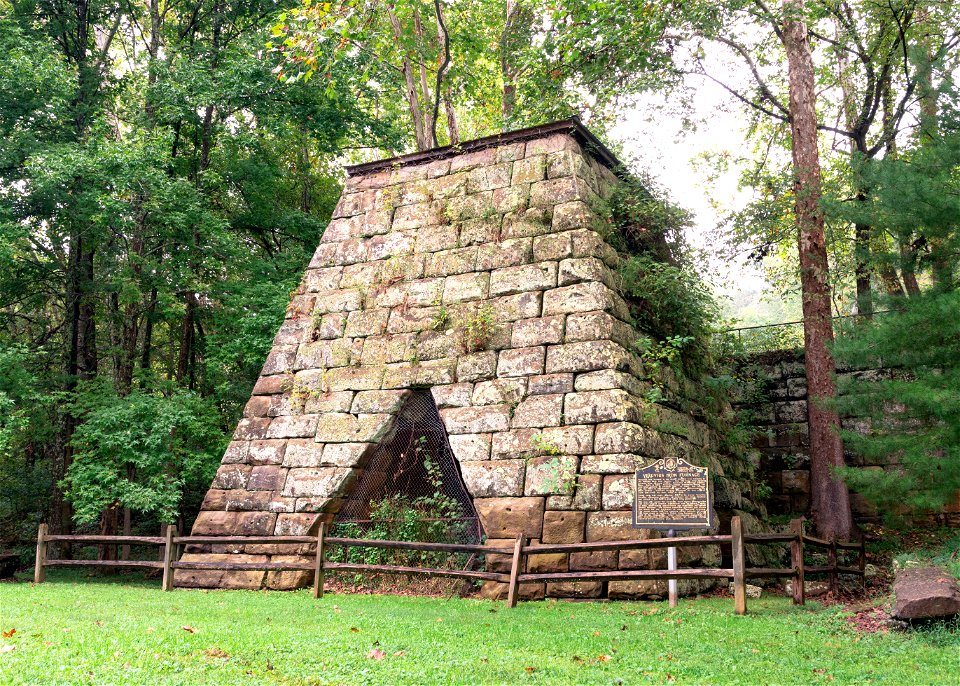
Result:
[{"x": 414, "y": 470}]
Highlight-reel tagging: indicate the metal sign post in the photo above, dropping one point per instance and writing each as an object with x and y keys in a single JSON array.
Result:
[
  {"x": 672, "y": 567},
  {"x": 672, "y": 494}
]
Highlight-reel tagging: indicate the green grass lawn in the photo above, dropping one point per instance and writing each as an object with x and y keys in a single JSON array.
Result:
[{"x": 74, "y": 630}]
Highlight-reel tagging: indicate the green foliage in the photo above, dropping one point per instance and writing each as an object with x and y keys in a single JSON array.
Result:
[
  {"x": 479, "y": 328},
  {"x": 671, "y": 303},
  {"x": 914, "y": 416},
  {"x": 431, "y": 518},
  {"x": 171, "y": 439},
  {"x": 544, "y": 445}
]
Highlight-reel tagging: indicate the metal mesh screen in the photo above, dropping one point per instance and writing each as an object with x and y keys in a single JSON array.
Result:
[{"x": 412, "y": 487}]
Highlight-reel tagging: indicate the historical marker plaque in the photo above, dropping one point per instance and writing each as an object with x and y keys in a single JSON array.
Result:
[{"x": 672, "y": 494}]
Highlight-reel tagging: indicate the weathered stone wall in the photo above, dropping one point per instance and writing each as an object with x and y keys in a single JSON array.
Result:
[
  {"x": 416, "y": 259},
  {"x": 780, "y": 415}
]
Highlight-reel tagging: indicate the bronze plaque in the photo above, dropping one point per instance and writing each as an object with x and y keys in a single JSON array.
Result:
[{"x": 672, "y": 494}]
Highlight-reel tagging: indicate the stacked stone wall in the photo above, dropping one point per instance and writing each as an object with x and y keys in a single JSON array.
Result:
[
  {"x": 486, "y": 278},
  {"x": 780, "y": 416}
]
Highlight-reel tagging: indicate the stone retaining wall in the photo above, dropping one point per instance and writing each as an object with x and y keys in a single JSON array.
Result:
[{"x": 780, "y": 414}]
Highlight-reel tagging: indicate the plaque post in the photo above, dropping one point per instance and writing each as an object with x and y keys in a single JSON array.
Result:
[{"x": 672, "y": 567}]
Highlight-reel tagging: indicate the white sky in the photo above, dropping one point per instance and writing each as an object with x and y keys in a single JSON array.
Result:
[{"x": 655, "y": 139}]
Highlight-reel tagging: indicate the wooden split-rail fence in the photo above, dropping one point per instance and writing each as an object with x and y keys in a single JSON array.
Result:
[{"x": 796, "y": 537}]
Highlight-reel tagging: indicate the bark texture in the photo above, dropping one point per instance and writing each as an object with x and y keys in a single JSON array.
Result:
[{"x": 830, "y": 499}]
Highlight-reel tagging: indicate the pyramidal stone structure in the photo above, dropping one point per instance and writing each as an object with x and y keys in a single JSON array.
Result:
[{"x": 481, "y": 273}]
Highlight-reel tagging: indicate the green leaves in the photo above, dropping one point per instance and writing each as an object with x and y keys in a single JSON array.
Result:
[{"x": 171, "y": 438}]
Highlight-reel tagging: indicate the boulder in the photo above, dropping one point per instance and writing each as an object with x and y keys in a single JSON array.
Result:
[{"x": 925, "y": 593}]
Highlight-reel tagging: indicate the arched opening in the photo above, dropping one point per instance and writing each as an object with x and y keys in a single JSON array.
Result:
[{"x": 411, "y": 489}]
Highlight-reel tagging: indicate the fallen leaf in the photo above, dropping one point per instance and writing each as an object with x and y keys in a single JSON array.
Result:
[
  {"x": 7, "y": 648},
  {"x": 623, "y": 627},
  {"x": 529, "y": 670},
  {"x": 8, "y": 634},
  {"x": 355, "y": 630},
  {"x": 439, "y": 619},
  {"x": 577, "y": 658},
  {"x": 596, "y": 633},
  {"x": 754, "y": 650},
  {"x": 603, "y": 658},
  {"x": 399, "y": 653},
  {"x": 216, "y": 652},
  {"x": 376, "y": 654},
  {"x": 189, "y": 629}
]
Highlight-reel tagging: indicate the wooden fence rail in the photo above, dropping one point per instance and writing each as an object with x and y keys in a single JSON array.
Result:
[{"x": 797, "y": 539}]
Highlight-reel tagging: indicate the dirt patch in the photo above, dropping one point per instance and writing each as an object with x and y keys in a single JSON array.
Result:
[{"x": 871, "y": 620}]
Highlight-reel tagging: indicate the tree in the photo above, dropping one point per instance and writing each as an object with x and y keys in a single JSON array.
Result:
[
  {"x": 913, "y": 409},
  {"x": 830, "y": 500}
]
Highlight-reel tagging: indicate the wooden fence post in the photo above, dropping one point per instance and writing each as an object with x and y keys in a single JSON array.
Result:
[
  {"x": 739, "y": 582},
  {"x": 168, "y": 550},
  {"x": 515, "y": 571},
  {"x": 39, "y": 573},
  {"x": 318, "y": 566},
  {"x": 834, "y": 577},
  {"x": 796, "y": 559},
  {"x": 862, "y": 565}
]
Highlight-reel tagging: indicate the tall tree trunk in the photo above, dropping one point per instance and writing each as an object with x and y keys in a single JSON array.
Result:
[
  {"x": 453, "y": 130},
  {"x": 148, "y": 330},
  {"x": 187, "y": 328},
  {"x": 506, "y": 65},
  {"x": 830, "y": 500},
  {"x": 429, "y": 125},
  {"x": 413, "y": 99}
]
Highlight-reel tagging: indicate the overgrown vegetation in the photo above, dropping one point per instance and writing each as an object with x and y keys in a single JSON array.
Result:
[{"x": 432, "y": 518}]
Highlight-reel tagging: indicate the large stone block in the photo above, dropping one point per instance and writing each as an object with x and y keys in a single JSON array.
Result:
[
  {"x": 234, "y": 524},
  {"x": 466, "y": 287},
  {"x": 318, "y": 482},
  {"x": 366, "y": 323},
  {"x": 538, "y": 411},
  {"x": 509, "y": 517},
  {"x": 303, "y": 452},
  {"x": 575, "y": 589},
  {"x": 507, "y": 253},
  {"x": 472, "y": 420},
  {"x": 477, "y": 366},
  {"x": 266, "y": 478},
  {"x": 521, "y": 361},
  {"x": 549, "y": 383},
  {"x": 378, "y": 402},
  {"x": 587, "y": 356},
  {"x": 452, "y": 395},
  {"x": 523, "y": 279},
  {"x": 299, "y": 426},
  {"x": 470, "y": 447},
  {"x": 593, "y": 407},
  {"x": 584, "y": 297},
  {"x": 564, "y": 526},
  {"x": 348, "y": 428},
  {"x": 550, "y": 475},
  {"x": 612, "y": 463},
  {"x": 448, "y": 262},
  {"x": 231, "y": 476},
  {"x": 510, "y": 308},
  {"x": 508, "y": 390},
  {"x": 626, "y": 437},
  {"x": 610, "y": 526},
  {"x": 618, "y": 490},
  {"x": 566, "y": 440},
  {"x": 495, "y": 478},
  {"x": 539, "y": 331}
]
